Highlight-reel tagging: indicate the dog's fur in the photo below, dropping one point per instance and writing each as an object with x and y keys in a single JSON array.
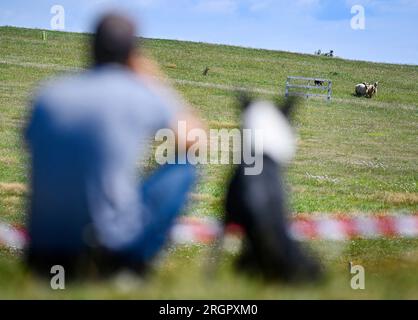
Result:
[{"x": 259, "y": 202}]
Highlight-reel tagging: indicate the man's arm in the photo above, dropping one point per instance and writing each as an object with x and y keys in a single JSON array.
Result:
[
  {"x": 157, "y": 81},
  {"x": 191, "y": 122}
]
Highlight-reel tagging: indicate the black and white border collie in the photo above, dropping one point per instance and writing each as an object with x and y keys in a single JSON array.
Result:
[{"x": 259, "y": 202}]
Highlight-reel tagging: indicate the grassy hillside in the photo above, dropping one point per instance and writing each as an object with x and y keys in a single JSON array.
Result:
[{"x": 355, "y": 155}]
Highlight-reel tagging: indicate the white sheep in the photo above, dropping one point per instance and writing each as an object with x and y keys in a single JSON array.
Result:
[{"x": 365, "y": 89}]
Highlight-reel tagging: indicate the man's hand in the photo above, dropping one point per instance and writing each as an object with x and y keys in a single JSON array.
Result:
[
  {"x": 145, "y": 67},
  {"x": 192, "y": 122},
  {"x": 149, "y": 71}
]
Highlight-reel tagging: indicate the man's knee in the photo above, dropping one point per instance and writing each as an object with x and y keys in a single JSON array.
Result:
[
  {"x": 169, "y": 186},
  {"x": 171, "y": 176},
  {"x": 184, "y": 175}
]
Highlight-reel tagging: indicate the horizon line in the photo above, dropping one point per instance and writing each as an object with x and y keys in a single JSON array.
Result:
[{"x": 220, "y": 44}]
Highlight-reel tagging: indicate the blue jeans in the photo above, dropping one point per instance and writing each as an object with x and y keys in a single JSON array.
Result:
[{"x": 164, "y": 193}]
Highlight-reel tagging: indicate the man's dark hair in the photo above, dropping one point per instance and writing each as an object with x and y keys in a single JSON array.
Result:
[{"x": 114, "y": 39}]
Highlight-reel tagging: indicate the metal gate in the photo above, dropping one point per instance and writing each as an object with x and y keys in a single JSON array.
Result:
[{"x": 310, "y": 86}]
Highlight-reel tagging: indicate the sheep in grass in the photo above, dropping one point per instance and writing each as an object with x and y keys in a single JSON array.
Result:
[
  {"x": 372, "y": 90},
  {"x": 361, "y": 89},
  {"x": 365, "y": 89}
]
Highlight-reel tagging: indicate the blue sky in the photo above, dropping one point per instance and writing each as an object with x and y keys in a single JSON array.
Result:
[{"x": 390, "y": 34}]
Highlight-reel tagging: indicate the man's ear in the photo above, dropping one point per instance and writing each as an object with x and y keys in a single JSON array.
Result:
[{"x": 133, "y": 62}]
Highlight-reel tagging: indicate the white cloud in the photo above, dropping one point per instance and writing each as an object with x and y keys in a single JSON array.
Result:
[{"x": 387, "y": 6}]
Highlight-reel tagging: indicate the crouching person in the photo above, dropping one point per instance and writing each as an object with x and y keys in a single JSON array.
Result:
[{"x": 88, "y": 211}]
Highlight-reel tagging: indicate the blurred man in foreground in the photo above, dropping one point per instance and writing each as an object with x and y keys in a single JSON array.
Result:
[{"x": 85, "y": 136}]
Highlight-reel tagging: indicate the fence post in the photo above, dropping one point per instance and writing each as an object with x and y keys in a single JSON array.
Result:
[
  {"x": 286, "y": 94},
  {"x": 329, "y": 90}
]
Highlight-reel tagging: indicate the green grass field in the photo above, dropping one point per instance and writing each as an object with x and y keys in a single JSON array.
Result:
[{"x": 355, "y": 155}]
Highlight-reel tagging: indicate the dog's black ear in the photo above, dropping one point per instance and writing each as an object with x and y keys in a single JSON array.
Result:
[
  {"x": 288, "y": 106},
  {"x": 244, "y": 99}
]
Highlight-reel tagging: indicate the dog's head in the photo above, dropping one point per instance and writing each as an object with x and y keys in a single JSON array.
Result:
[
  {"x": 285, "y": 106},
  {"x": 272, "y": 120}
]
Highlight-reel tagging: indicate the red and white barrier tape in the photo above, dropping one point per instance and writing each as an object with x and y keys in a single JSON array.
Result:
[
  {"x": 12, "y": 237},
  {"x": 205, "y": 230},
  {"x": 189, "y": 230},
  {"x": 345, "y": 228}
]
